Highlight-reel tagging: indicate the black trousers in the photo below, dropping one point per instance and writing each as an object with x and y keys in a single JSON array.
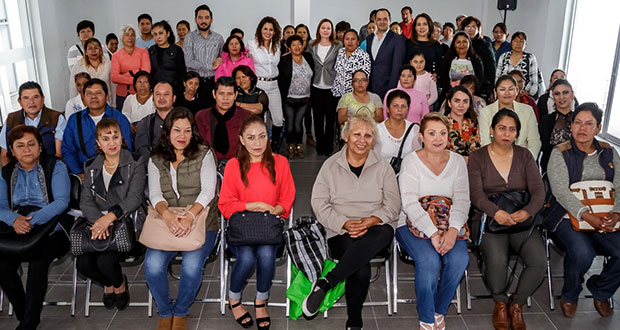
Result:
[
  {"x": 28, "y": 304},
  {"x": 354, "y": 255},
  {"x": 294, "y": 111},
  {"x": 324, "y": 105},
  {"x": 103, "y": 268}
]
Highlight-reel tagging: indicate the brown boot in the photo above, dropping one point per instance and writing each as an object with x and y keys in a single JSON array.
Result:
[
  {"x": 299, "y": 150},
  {"x": 179, "y": 322},
  {"x": 516, "y": 317},
  {"x": 291, "y": 151},
  {"x": 165, "y": 323},
  {"x": 500, "y": 316}
]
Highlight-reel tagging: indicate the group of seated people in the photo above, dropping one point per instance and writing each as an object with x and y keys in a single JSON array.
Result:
[{"x": 426, "y": 178}]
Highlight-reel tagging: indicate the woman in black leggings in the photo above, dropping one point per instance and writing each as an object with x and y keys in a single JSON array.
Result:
[{"x": 355, "y": 196}]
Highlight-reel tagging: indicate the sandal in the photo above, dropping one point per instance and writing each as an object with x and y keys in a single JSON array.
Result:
[
  {"x": 243, "y": 317},
  {"x": 262, "y": 319},
  {"x": 440, "y": 322}
]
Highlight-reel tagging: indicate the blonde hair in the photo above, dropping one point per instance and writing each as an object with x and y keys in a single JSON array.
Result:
[
  {"x": 360, "y": 117},
  {"x": 434, "y": 116}
]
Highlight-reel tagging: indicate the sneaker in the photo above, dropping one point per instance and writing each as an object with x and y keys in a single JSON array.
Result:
[{"x": 313, "y": 301}]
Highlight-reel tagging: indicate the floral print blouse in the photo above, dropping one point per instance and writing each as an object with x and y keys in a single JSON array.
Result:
[{"x": 463, "y": 140}]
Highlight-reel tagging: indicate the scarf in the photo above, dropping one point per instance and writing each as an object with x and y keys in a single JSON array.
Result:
[{"x": 221, "y": 144}]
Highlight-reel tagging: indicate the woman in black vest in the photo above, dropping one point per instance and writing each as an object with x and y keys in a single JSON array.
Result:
[
  {"x": 30, "y": 212},
  {"x": 113, "y": 188},
  {"x": 579, "y": 159}
]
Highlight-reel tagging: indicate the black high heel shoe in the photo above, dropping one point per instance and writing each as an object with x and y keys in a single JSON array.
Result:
[
  {"x": 242, "y": 317},
  {"x": 262, "y": 319},
  {"x": 122, "y": 299}
]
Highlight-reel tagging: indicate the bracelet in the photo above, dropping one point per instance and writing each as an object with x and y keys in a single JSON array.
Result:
[{"x": 192, "y": 213}]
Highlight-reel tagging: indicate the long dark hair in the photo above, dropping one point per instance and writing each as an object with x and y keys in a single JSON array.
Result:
[
  {"x": 164, "y": 25},
  {"x": 451, "y": 54},
  {"x": 470, "y": 113},
  {"x": 243, "y": 156},
  {"x": 414, "y": 34},
  {"x": 165, "y": 149}
]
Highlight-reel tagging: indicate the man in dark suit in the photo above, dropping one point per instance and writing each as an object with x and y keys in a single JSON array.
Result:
[{"x": 387, "y": 53}]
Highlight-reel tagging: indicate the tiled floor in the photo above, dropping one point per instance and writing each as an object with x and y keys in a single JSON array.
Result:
[{"x": 207, "y": 315}]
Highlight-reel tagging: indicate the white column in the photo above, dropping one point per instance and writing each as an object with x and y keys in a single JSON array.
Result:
[{"x": 300, "y": 11}]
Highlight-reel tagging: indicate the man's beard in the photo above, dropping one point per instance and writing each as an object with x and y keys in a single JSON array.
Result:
[{"x": 204, "y": 29}]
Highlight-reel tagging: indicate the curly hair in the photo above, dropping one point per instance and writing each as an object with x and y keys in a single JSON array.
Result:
[{"x": 277, "y": 33}]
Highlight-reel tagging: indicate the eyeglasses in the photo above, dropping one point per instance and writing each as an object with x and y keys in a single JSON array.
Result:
[
  {"x": 360, "y": 80},
  {"x": 470, "y": 27}
]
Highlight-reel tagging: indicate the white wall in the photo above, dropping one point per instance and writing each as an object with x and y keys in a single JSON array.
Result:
[{"x": 542, "y": 21}]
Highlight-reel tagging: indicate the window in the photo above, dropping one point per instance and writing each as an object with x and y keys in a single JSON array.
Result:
[
  {"x": 592, "y": 62},
  {"x": 16, "y": 53}
]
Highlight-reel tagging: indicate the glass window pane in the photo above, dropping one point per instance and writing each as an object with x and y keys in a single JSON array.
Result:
[{"x": 592, "y": 54}]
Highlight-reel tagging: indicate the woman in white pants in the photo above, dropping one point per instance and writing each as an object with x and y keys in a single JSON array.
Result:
[{"x": 265, "y": 52}]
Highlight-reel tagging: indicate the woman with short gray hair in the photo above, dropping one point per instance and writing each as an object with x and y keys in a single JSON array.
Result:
[{"x": 355, "y": 196}]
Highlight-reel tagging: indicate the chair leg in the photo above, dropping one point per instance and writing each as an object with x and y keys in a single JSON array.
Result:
[
  {"x": 549, "y": 276},
  {"x": 74, "y": 287},
  {"x": 388, "y": 285},
  {"x": 288, "y": 283},
  {"x": 467, "y": 290},
  {"x": 529, "y": 301},
  {"x": 87, "y": 299},
  {"x": 1, "y": 299},
  {"x": 458, "y": 299},
  {"x": 223, "y": 267},
  {"x": 395, "y": 278},
  {"x": 149, "y": 312}
]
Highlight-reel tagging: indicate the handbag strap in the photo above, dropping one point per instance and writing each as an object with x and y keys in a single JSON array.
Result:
[
  {"x": 81, "y": 132},
  {"x": 402, "y": 143},
  {"x": 514, "y": 266}
]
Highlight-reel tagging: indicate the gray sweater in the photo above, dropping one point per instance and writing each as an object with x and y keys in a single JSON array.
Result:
[{"x": 558, "y": 178}]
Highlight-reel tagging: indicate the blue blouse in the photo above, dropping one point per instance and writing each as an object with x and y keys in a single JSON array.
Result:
[{"x": 28, "y": 191}]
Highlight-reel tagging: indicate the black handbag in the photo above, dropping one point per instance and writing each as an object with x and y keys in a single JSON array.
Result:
[
  {"x": 255, "y": 228},
  {"x": 122, "y": 237},
  {"x": 14, "y": 243},
  {"x": 509, "y": 201},
  {"x": 395, "y": 162}
]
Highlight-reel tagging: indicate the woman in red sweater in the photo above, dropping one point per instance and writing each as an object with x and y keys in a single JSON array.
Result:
[{"x": 255, "y": 180}]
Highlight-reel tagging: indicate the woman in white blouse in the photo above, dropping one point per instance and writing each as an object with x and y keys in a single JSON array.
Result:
[
  {"x": 181, "y": 172},
  {"x": 392, "y": 131},
  {"x": 265, "y": 51},
  {"x": 434, "y": 179},
  {"x": 139, "y": 105},
  {"x": 94, "y": 63}
]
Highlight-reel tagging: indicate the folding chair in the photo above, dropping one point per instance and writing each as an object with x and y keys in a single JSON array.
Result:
[
  {"x": 229, "y": 257},
  {"x": 74, "y": 197},
  {"x": 382, "y": 258},
  {"x": 548, "y": 244},
  {"x": 402, "y": 254}
]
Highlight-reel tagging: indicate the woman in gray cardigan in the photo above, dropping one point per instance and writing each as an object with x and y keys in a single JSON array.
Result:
[
  {"x": 355, "y": 196},
  {"x": 324, "y": 50},
  {"x": 114, "y": 183}
]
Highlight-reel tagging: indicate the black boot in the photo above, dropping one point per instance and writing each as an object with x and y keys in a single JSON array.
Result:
[{"x": 276, "y": 132}]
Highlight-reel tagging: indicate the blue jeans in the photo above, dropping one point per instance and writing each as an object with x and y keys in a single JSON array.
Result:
[
  {"x": 433, "y": 295},
  {"x": 264, "y": 257},
  {"x": 156, "y": 273},
  {"x": 581, "y": 248}
]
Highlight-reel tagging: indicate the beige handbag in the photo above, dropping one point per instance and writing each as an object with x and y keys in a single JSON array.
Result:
[
  {"x": 598, "y": 196},
  {"x": 156, "y": 235}
]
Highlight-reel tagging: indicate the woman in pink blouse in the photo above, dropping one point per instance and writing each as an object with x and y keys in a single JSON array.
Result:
[
  {"x": 233, "y": 55},
  {"x": 419, "y": 104},
  {"x": 126, "y": 62}
]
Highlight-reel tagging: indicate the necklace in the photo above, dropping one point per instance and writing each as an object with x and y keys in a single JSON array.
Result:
[
  {"x": 110, "y": 166},
  {"x": 494, "y": 155}
]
